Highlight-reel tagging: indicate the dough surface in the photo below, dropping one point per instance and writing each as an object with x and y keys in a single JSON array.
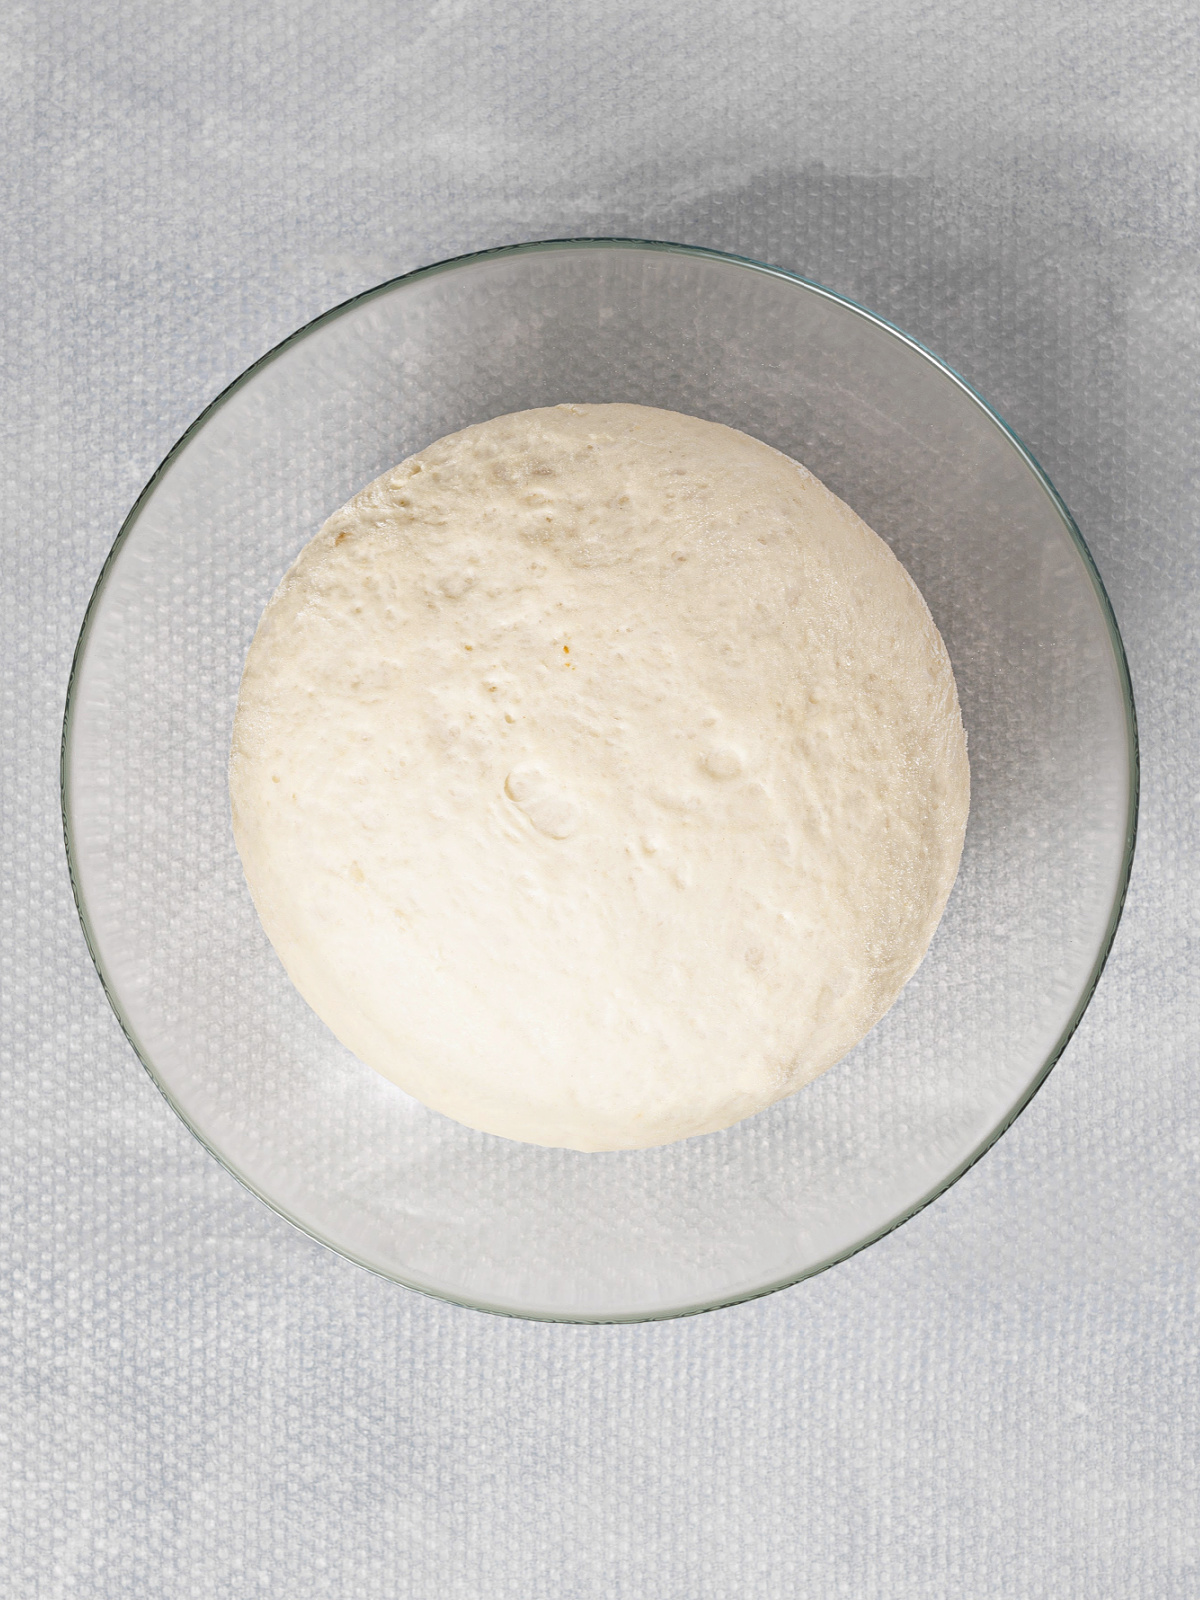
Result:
[{"x": 598, "y": 776}]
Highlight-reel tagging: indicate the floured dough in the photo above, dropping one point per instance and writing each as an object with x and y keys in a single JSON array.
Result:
[{"x": 598, "y": 776}]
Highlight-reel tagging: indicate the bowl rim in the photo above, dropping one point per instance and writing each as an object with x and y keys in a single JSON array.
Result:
[{"x": 1133, "y": 772}]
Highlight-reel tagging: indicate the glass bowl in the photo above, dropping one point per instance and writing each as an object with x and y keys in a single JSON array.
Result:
[{"x": 197, "y": 987}]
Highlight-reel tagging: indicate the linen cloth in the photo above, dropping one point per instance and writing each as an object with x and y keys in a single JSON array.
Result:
[{"x": 998, "y": 1400}]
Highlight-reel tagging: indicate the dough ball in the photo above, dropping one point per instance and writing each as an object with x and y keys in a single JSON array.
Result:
[{"x": 598, "y": 776}]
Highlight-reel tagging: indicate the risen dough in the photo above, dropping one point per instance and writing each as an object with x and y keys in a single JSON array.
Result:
[{"x": 598, "y": 776}]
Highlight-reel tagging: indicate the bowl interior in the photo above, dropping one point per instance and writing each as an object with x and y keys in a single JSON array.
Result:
[{"x": 347, "y": 1156}]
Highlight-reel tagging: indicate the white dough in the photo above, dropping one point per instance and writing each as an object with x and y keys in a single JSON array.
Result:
[{"x": 598, "y": 776}]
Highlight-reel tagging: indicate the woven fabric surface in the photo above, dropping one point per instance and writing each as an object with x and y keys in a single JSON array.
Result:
[{"x": 999, "y": 1399}]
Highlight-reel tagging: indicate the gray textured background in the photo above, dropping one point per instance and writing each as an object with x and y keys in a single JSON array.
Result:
[{"x": 998, "y": 1400}]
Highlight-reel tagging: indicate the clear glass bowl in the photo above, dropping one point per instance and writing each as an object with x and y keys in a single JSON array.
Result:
[{"x": 320, "y": 1137}]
